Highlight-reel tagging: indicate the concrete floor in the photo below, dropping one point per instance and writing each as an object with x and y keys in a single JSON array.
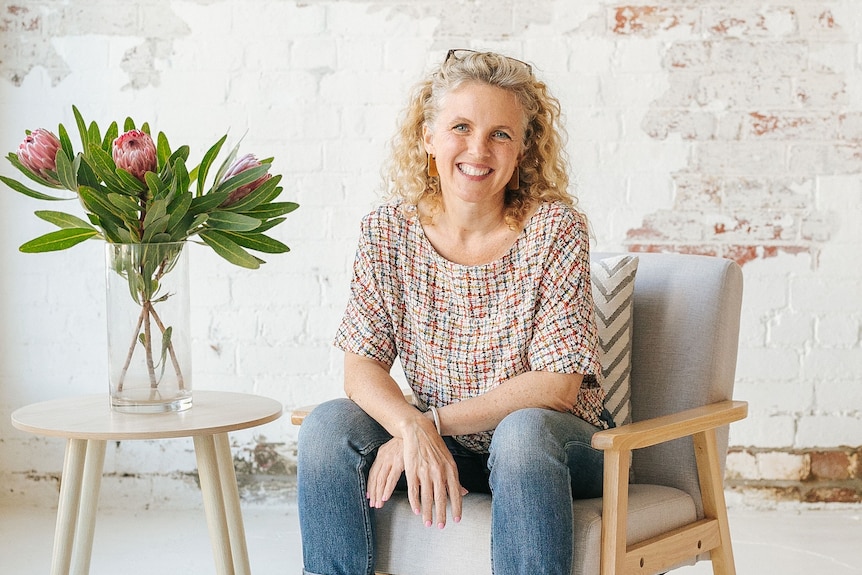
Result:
[{"x": 786, "y": 542}]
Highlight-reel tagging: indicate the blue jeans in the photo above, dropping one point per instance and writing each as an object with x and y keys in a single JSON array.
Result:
[{"x": 540, "y": 460}]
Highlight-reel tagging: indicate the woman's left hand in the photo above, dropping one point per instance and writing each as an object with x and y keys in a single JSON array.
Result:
[{"x": 385, "y": 472}]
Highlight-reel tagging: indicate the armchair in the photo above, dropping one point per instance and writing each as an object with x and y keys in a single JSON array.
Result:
[{"x": 672, "y": 512}]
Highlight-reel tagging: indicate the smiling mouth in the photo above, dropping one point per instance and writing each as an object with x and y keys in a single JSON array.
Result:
[{"x": 472, "y": 171}]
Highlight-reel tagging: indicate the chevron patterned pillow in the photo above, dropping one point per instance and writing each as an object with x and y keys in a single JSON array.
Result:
[{"x": 613, "y": 280}]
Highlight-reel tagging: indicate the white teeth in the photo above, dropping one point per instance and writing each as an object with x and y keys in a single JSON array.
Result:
[{"x": 471, "y": 171}]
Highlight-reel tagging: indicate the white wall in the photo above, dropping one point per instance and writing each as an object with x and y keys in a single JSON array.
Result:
[{"x": 731, "y": 128}]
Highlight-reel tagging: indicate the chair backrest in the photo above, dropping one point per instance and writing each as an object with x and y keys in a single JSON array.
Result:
[{"x": 684, "y": 348}]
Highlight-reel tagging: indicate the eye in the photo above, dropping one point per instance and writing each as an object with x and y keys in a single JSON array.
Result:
[
  {"x": 460, "y": 128},
  {"x": 501, "y": 135}
]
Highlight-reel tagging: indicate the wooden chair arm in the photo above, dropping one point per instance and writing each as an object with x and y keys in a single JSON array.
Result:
[
  {"x": 668, "y": 427},
  {"x": 298, "y": 415}
]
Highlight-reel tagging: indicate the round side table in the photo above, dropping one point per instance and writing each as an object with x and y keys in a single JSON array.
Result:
[{"x": 88, "y": 423}]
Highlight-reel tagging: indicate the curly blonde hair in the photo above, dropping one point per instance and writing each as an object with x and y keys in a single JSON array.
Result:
[{"x": 544, "y": 164}]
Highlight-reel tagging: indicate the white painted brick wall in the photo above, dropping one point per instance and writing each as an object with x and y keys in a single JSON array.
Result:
[{"x": 729, "y": 128}]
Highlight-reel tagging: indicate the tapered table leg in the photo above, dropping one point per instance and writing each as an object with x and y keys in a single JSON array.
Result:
[
  {"x": 230, "y": 492},
  {"x": 67, "y": 511},
  {"x": 211, "y": 488},
  {"x": 90, "y": 486}
]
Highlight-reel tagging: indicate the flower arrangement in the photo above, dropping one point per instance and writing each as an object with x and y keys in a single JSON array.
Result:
[{"x": 137, "y": 191}]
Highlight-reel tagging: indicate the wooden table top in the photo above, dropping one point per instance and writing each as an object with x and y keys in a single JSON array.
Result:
[{"x": 91, "y": 417}]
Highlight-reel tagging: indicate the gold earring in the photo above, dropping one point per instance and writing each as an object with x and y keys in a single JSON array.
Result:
[
  {"x": 515, "y": 180},
  {"x": 432, "y": 167}
]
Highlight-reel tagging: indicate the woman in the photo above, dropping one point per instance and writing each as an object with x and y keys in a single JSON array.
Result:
[{"x": 477, "y": 279}]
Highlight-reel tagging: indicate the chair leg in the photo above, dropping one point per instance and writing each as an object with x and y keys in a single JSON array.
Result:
[
  {"x": 714, "y": 505},
  {"x": 615, "y": 504}
]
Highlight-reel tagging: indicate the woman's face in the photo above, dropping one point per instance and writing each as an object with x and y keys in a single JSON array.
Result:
[{"x": 476, "y": 140}]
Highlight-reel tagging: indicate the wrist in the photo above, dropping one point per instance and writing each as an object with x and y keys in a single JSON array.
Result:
[{"x": 435, "y": 416}]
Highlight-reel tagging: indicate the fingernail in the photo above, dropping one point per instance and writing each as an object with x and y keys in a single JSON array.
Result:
[
  {"x": 416, "y": 512},
  {"x": 428, "y": 523},
  {"x": 457, "y": 520},
  {"x": 464, "y": 491},
  {"x": 441, "y": 525}
]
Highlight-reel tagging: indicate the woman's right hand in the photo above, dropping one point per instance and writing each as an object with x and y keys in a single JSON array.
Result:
[{"x": 431, "y": 473}]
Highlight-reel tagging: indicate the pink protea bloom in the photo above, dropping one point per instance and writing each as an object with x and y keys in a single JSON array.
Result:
[
  {"x": 242, "y": 164},
  {"x": 38, "y": 153},
  {"x": 135, "y": 152}
]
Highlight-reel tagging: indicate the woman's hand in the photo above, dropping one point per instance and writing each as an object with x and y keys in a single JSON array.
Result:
[
  {"x": 432, "y": 476},
  {"x": 430, "y": 470},
  {"x": 385, "y": 472}
]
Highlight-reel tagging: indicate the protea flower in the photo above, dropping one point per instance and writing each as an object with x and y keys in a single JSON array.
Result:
[
  {"x": 135, "y": 152},
  {"x": 38, "y": 153},
  {"x": 242, "y": 164}
]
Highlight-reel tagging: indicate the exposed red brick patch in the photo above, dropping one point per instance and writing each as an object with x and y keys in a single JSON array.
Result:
[
  {"x": 833, "y": 495},
  {"x": 644, "y": 20},
  {"x": 19, "y": 20},
  {"x": 836, "y": 465},
  {"x": 726, "y": 25},
  {"x": 825, "y": 476}
]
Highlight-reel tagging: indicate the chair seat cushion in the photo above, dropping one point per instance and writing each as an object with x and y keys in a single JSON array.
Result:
[{"x": 407, "y": 547}]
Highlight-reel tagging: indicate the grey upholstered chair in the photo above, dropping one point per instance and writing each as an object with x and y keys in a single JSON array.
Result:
[{"x": 684, "y": 348}]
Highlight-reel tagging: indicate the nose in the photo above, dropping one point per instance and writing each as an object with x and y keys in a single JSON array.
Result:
[{"x": 478, "y": 146}]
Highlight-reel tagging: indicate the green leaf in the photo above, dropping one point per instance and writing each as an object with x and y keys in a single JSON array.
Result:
[
  {"x": 104, "y": 167},
  {"x": 128, "y": 209},
  {"x": 162, "y": 238},
  {"x": 221, "y": 220},
  {"x": 155, "y": 227},
  {"x": 155, "y": 184},
  {"x": 110, "y": 135},
  {"x": 13, "y": 159},
  {"x": 223, "y": 168},
  {"x": 93, "y": 135},
  {"x": 158, "y": 209},
  {"x": 177, "y": 210},
  {"x": 206, "y": 162},
  {"x": 181, "y": 152},
  {"x": 86, "y": 176},
  {"x": 65, "y": 142},
  {"x": 96, "y": 201},
  {"x": 130, "y": 184},
  {"x": 82, "y": 128},
  {"x": 272, "y": 210},
  {"x": 128, "y": 125},
  {"x": 63, "y": 220},
  {"x": 229, "y": 250},
  {"x": 256, "y": 197},
  {"x": 21, "y": 188},
  {"x": 181, "y": 181},
  {"x": 267, "y": 225},
  {"x": 248, "y": 176},
  {"x": 67, "y": 170},
  {"x": 58, "y": 240},
  {"x": 207, "y": 202},
  {"x": 120, "y": 235},
  {"x": 163, "y": 149},
  {"x": 258, "y": 243},
  {"x": 193, "y": 223}
]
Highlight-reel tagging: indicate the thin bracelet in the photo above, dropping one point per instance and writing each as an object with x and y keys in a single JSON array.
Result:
[{"x": 436, "y": 417}]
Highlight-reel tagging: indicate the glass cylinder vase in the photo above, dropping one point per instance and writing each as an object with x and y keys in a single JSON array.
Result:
[{"x": 149, "y": 344}]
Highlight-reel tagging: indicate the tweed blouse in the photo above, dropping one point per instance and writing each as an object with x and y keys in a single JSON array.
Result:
[{"x": 461, "y": 330}]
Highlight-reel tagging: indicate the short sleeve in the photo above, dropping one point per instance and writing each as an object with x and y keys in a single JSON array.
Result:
[
  {"x": 366, "y": 328},
  {"x": 565, "y": 339}
]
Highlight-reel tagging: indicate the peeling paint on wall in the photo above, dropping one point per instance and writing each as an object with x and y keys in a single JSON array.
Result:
[
  {"x": 762, "y": 122},
  {"x": 28, "y": 31}
]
